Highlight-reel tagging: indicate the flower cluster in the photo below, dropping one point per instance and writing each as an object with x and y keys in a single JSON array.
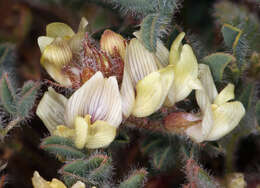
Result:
[{"x": 122, "y": 78}]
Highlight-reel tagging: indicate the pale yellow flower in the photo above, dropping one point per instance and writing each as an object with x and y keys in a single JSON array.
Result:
[
  {"x": 39, "y": 182},
  {"x": 90, "y": 116},
  {"x": 145, "y": 83},
  {"x": 185, "y": 71},
  {"x": 58, "y": 46},
  {"x": 219, "y": 116}
]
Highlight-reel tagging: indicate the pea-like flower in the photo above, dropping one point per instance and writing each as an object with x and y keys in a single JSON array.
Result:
[
  {"x": 145, "y": 83},
  {"x": 185, "y": 71},
  {"x": 58, "y": 47},
  {"x": 90, "y": 116},
  {"x": 39, "y": 182},
  {"x": 219, "y": 114}
]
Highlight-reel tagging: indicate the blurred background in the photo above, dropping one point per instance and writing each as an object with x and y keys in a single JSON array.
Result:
[{"x": 23, "y": 21}]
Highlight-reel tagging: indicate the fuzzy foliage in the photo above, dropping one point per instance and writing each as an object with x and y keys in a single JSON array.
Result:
[
  {"x": 95, "y": 170},
  {"x": 62, "y": 147},
  {"x": 135, "y": 179},
  {"x": 157, "y": 17}
]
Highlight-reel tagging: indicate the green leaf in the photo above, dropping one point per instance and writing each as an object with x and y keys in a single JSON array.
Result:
[
  {"x": 150, "y": 144},
  {"x": 8, "y": 94},
  {"x": 137, "y": 6},
  {"x": 164, "y": 158},
  {"x": 217, "y": 63},
  {"x": 235, "y": 40},
  {"x": 231, "y": 35},
  {"x": 136, "y": 179},
  {"x": 247, "y": 96},
  {"x": 94, "y": 170},
  {"x": 151, "y": 28},
  {"x": 61, "y": 147},
  {"x": 257, "y": 111},
  {"x": 57, "y": 140},
  {"x": 7, "y": 58},
  {"x": 27, "y": 98},
  {"x": 199, "y": 177}
]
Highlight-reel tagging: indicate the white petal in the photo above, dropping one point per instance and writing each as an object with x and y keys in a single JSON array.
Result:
[
  {"x": 111, "y": 106},
  {"x": 51, "y": 109},
  {"x": 79, "y": 101},
  {"x": 225, "y": 95},
  {"x": 226, "y": 118},
  {"x": 139, "y": 61},
  {"x": 99, "y": 98},
  {"x": 207, "y": 82},
  {"x": 162, "y": 53},
  {"x": 127, "y": 94},
  {"x": 44, "y": 41}
]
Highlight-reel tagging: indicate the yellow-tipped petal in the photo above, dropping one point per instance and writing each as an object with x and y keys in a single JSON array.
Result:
[
  {"x": 113, "y": 43},
  {"x": 55, "y": 183},
  {"x": 225, "y": 95},
  {"x": 152, "y": 91},
  {"x": 57, "y": 29},
  {"x": 226, "y": 118},
  {"x": 51, "y": 109},
  {"x": 195, "y": 84},
  {"x": 78, "y": 184},
  {"x": 186, "y": 72},
  {"x": 207, "y": 82},
  {"x": 57, "y": 53},
  {"x": 64, "y": 131},
  {"x": 76, "y": 43},
  {"x": 39, "y": 182},
  {"x": 167, "y": 79},
  {"x": 82, "y": 25},
  {"x": 176, "y": 48},
  {"x": 81, "y": 132},
  {"x": 57, "y": 74},
  {"x": 44, "y": 41},
  {"x": 101, "y": 135},
  {"x": 139, "y": 62},
  {"x": 127, "y": 95}
]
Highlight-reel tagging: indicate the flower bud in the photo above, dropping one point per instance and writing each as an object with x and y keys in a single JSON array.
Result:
[
  {"x": 57, "y": 53},
  {"x": 178, "y": 121},
  {"x": 113, "y": 43}
]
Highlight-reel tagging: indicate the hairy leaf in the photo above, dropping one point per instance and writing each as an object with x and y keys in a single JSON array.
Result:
[
  {"x": 62, "y": 147},
  {"x": 27, "y": 99},
  {"x": 94, "y": 170},
  {"x": 136, "y": 179},
  {"x": 8, "y": 94},
  {"x": 217, "y": 63}
]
